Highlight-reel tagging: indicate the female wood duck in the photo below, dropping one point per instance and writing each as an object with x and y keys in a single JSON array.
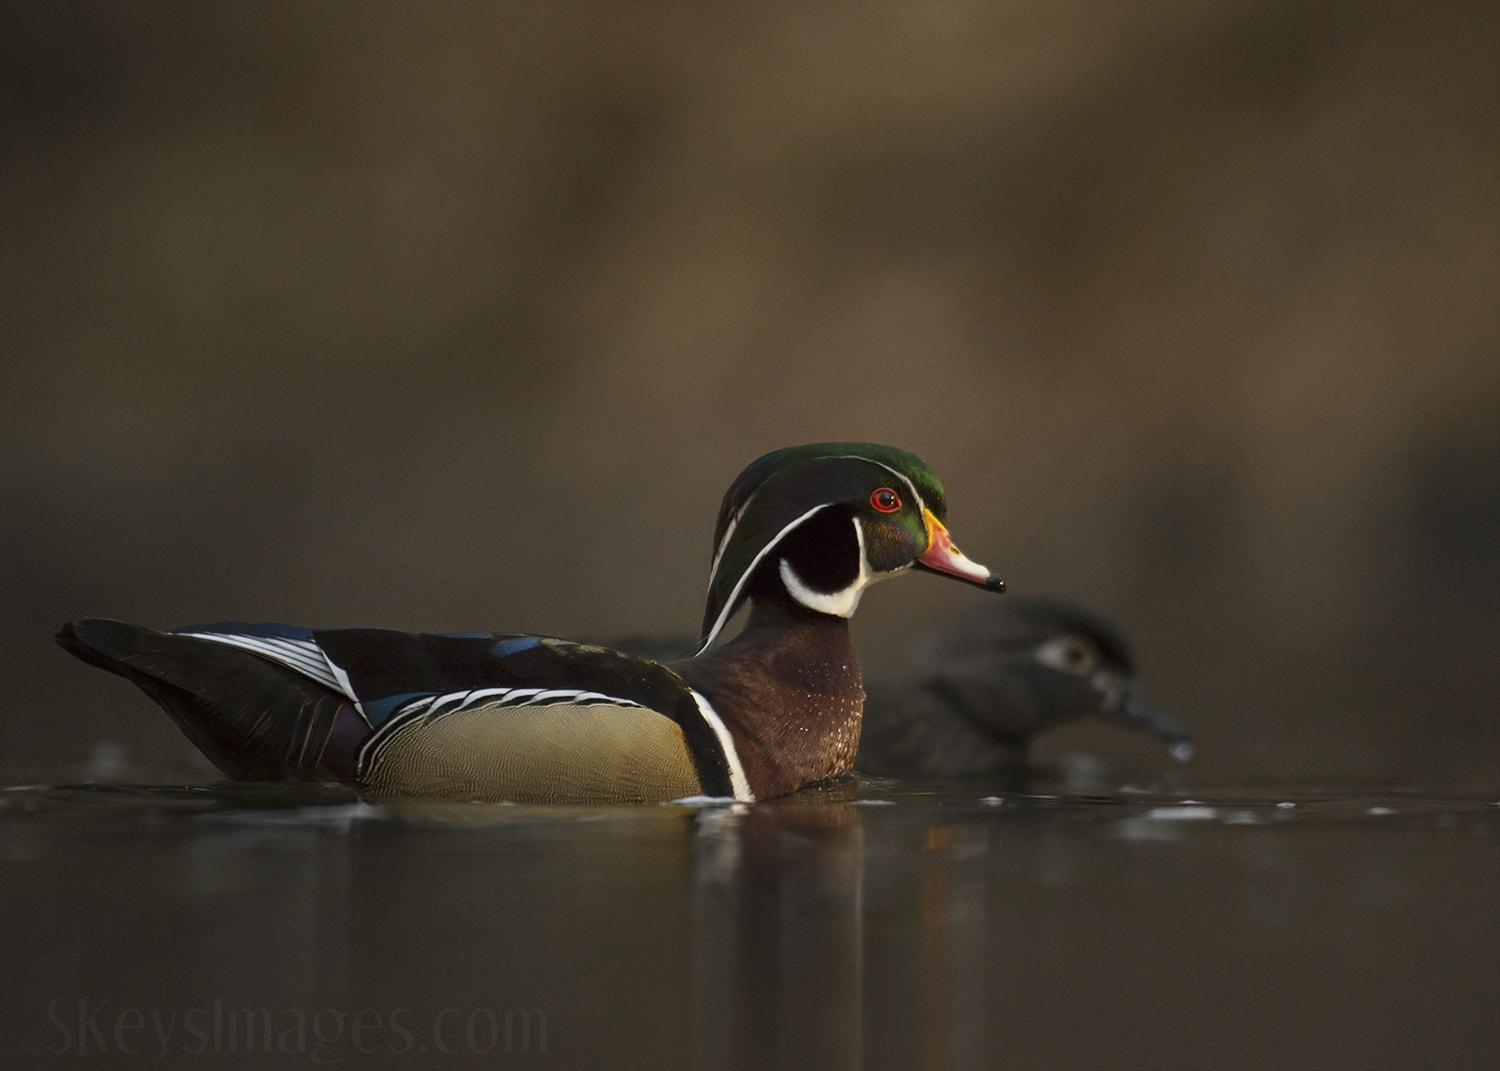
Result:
[
  {"x": 800, "y": 535},
  {"x": 996, "y": 677}
]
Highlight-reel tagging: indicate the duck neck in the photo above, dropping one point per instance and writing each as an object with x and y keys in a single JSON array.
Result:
[{"x": 788, "y": 688}]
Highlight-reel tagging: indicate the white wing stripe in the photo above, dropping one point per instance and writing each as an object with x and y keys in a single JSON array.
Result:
[
  {"x": 345, "y": 685},
  {"x": 446, "y": 704},
  {"x": 437, "y": 706},
  {"x": 303, "y": 656},
  {"x": 487, "y": 693},
  {"x": 307, "y": 658}
]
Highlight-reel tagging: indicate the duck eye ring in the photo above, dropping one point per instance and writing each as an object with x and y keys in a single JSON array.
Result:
[{"x": 885, "y": 500}]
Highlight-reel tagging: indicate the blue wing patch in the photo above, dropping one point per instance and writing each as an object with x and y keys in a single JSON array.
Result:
[{"x": 514, "y": 645}]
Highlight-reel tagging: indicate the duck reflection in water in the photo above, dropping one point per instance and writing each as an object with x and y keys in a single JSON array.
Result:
[
  {"x": 779, "y": 932},
  {"x": 831, "y": 933}
]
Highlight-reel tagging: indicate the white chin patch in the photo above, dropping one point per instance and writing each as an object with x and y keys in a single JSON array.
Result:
[{"x": 841, "y": 603}]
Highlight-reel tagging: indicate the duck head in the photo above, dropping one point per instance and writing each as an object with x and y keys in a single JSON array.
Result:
[
  {"x": 817, "y": 524},
  {"x": 1016, "y": 669}
]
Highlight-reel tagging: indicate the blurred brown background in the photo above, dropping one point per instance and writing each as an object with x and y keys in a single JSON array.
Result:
[{"x": 463, "y": 315}]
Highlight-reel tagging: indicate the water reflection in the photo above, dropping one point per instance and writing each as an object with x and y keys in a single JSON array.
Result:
[
  {"x": 778, "y": 923},
  {"x": 871, "y": 925}
]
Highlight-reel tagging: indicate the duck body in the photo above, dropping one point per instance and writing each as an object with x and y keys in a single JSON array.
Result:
[
  {"x": 800, "y": 534},
  {"x": 459, "y": 716}
]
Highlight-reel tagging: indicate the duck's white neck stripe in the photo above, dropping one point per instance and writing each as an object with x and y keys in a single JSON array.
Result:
[{"x": 738, "y": 782}]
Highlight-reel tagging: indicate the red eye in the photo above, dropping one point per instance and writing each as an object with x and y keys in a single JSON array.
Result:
[{"x": 886, "y": 500}]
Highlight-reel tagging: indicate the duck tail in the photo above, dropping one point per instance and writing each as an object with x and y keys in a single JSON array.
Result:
[{"x": 223, "y": 700}]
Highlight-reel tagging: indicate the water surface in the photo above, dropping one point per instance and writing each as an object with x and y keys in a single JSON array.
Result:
[{"x": 872, "y": 924}]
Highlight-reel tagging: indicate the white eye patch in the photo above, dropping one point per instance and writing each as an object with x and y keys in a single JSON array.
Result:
[{"x": 1068, "y": 654}]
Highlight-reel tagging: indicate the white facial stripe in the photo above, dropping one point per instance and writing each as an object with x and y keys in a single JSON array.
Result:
[
  {"x": 734, "y": 522},
  {"x": 734, "y": 519},
  {"x": 916, "y": 496},
  {"x": 729, "y": 603}
]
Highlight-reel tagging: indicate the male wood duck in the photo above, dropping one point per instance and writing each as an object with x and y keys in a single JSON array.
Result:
[
  {"x": 994, "y": 678},
  {"x": 800, "y": 535}
]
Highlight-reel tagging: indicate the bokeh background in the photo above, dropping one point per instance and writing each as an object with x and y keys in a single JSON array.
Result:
[{"x": 462, "y": 316}]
